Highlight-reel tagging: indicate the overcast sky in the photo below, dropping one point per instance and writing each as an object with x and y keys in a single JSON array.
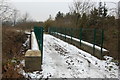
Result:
[{"x": 41, "y": 9}]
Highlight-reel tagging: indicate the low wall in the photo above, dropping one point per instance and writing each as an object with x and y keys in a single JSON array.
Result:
[
  {"x": 33, "y": 58},
  {"x": 97, "y": 51}
]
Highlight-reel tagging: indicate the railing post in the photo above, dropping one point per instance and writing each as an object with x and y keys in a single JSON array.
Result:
[
  {"x": 102, "y": 39},
  {"x": 71, "y": 34},
  {"x": 94, "y": 43},
  {"x": 42, "y": 38},
  {"x": 80, "y": 35},
  {"x": 51, "y": 30},
  {"x": 65, "y": 34},
  {"x": 30, "y": 38},
  {"x": 55, "y": 31}
]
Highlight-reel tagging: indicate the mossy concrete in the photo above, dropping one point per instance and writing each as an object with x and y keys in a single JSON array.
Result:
[{"x": 33, "y": 60}]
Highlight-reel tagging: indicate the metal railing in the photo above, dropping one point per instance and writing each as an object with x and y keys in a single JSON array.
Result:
[{"x": 90, "y": 35}]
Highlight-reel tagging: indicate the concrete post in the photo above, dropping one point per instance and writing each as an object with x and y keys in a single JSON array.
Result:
[{"x": 33, "y": 60}]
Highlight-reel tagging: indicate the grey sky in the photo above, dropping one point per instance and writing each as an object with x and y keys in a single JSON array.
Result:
[{"x": 41, "y": 9}]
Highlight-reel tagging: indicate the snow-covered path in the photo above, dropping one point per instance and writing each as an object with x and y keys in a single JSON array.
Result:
[{"x": 63, "y": 60}]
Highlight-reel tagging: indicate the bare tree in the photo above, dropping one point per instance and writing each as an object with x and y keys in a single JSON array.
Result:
[
  {"x": 6, "y": 12},
  {"x": 81, "y": 6},
  {"x": 115, "y": 11},
  {"x": 119, "y": 9},
  {"x": 15, "y": 16},
  {"x": 25, "y": 18},
  {"x": 12, "y": 15}
]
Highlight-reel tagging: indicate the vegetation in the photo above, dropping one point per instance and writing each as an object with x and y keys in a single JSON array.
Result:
[
  {"x": 81, "y": 15},
  {"x": 90, "y": 17},
  {"x": 11, "y": 50}
]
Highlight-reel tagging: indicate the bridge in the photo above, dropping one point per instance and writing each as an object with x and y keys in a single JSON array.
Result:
[{"x": 59, "y": 54}]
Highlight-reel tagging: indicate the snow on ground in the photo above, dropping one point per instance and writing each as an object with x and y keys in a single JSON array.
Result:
[
  {"x": 63, "y": 60},
  {"x": 34, "y": 45}
]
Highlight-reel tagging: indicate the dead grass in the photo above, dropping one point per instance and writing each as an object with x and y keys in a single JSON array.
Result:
[{"x": 12, "y": 43}]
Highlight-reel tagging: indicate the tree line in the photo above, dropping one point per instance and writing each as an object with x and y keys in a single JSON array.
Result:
[
  {"x": 86, "y": 15},
  {"x": 11, "y": 16},
  {"x": 83, "y": 14}
]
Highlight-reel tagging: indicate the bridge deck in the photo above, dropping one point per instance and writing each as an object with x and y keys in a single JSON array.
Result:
[{"x": 61, "y": 59}]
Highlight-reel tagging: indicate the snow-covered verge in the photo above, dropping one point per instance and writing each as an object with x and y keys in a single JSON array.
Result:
[{"x": 63, "y": 60}]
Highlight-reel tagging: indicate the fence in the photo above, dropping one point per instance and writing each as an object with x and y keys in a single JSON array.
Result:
[{"x": 83, "y": 36}]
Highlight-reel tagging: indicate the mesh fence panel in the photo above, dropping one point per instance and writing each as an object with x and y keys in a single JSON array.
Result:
[{"x": 91, "y": 35}]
